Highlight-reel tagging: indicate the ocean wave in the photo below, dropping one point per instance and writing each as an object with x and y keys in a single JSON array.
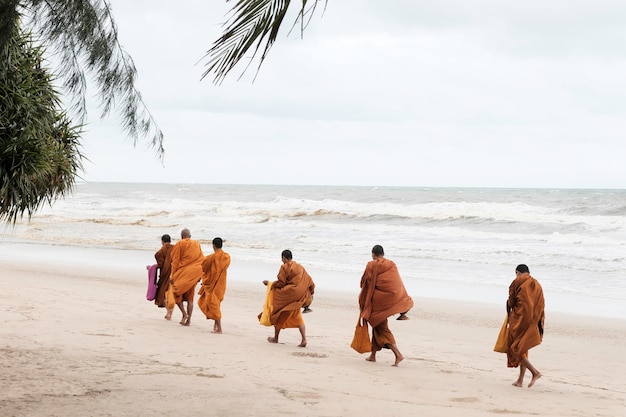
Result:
[{"x": 574, "y": 238}]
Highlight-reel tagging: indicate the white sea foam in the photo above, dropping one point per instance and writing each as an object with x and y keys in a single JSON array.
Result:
[{"x": 573, "y": 240}]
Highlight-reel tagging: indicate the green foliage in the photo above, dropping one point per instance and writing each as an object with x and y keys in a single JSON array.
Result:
[
  {"x": 8, "y": 19},
  {"x": 84, "y": 36},
  {"x": 252, "y": 22},
  {"x": 39, "y": 149}
]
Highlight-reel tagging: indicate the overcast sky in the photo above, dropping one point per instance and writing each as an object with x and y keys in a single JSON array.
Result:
[{"x": 410, "y": 93}]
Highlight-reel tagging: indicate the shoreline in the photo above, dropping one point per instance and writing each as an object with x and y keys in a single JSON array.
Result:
[
  {"x": 79, "y": 340},
  {"x": 340, "y": 282}
]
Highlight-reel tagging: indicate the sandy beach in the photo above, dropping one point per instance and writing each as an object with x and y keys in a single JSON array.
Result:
[{"x": 79, "y": 340}]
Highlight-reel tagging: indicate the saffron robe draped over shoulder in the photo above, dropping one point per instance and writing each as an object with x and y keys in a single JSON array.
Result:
[
  {"x": 382, "y": 292},
  {"x": 213, "y": 287},
  {"x": 187, "y": 260},
  {"x": 291, "y": 290},
  {"x": 163, "y": 259},
  {"x": 526, "y": 317}
]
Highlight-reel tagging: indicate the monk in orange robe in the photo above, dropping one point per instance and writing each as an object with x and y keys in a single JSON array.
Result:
[
  {"x": 164, "y": 260},
  {"x": 382, "y": 295},
  {"x": 187, "y": 260},
  {"x": 213, "y": 287},
  {"x": 291, "y": 291},
  {"x": 525, "y": 307}
]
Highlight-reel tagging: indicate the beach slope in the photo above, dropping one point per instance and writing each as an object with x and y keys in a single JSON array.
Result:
[{"x": 83, "y": 341}]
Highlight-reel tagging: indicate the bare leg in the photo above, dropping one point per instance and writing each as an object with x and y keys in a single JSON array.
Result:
[
  {"x": 303, "y": 335},
  {"x": 189, "y": 311},
  {"x": 275, "y": 338},
  {"x": 522, "y": 371},
  {"x": 536, "y": 374},
  {"x": 182, "y": 310},
  {"x": 217, "y": 327},
  {"x": 168, "y": 315},
  {"x": 372, "y": 356},
  {"x": 396, "y": 352}
]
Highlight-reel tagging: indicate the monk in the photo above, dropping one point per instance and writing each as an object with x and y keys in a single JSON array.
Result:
[
  {"x": 290, "y": 292},
  {"x": 187, "y": 260},
  {"x": 525, "y": 307},
  {"x": 213, "y": 287},
  {"x": 164, "y": 260},
  {"x": 382, "y": 295}
]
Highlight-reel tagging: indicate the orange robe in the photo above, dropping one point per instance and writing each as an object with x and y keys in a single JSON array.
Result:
[
  {"x": 526, "y": 317},
  {"x": 382, "y": 292},
  {"x": 164, "y": 260},
  {"x": 382, "y": 295},
  {"x": 291, "y": 291},
  {"x": 187, "y": 260},
  {"x": 213, "y": 287}
]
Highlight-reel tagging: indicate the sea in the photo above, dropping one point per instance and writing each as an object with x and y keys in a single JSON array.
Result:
[{"x": 448, "y": 243}]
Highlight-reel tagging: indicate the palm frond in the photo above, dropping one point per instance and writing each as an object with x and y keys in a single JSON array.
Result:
[
  {"x": 8, "y": 19},
  {"x": 253, "y": 24},
  {"x": 40, "y": 154},
  {"x": 84, "y": 35}
]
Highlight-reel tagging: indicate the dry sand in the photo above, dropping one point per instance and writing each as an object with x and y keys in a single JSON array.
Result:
[{"x": 78, "y": 341}]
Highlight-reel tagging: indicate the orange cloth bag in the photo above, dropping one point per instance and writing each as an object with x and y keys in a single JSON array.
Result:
[
  {"x": 361, "y": 340},
  {"x": 502, "y": 343},
  {"x": 268, "y": 307}
]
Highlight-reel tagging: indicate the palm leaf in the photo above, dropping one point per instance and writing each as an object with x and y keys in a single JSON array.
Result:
[
  {"x": 39, "y": 150},
  {"x": 253, "y": 25},
  {"x": 84, "y": 36}
]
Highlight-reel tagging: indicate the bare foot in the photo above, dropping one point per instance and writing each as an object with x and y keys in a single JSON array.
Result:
[
  {"x": 272, "y": 340},
  {"x": 184, "y": 320},
  {"x": 399, "y": 359},
  {"x": 518, "y": 384},
  {"x": 371, "y": 359},
  {"x": 534, "y": 379},
  {"x": 302, "y": 344},
  {"x": 217, "y": 331}
]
